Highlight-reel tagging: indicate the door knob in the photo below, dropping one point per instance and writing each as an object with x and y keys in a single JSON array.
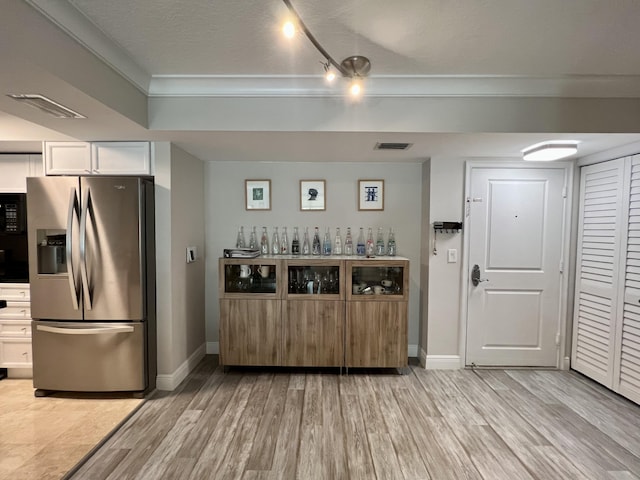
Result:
[{"x": 475, "y": 276}]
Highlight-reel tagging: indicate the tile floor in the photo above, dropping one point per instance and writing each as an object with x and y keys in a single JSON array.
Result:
[{"x": 44, "y": 438}]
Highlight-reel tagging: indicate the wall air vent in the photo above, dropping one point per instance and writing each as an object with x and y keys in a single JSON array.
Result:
[
  {"x": 46, "y": 105},
  {"x": 392, "y": 146}
]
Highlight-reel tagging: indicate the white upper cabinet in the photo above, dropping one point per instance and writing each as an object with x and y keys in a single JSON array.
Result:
[
  {"x": 14, "y": 170},
  {"x": 67, "y": 158},
  {"x": 97, "y": 158}
]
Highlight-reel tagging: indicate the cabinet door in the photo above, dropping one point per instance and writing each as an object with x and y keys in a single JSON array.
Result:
[
  {"x": 314, "y": 333},
  {"x": 15, "y": 292},
  {"x": 116, "y": 158},
  {"x": 67, "y": 158},
  {"x": 627, "y": 356},
  {"x": 14, "y": 170},
  {"x": 599, "y": 252},
  {"x": 15, "y": 353},
  {"x": 376, "y": 334},
  {"x": 250, "y": 332}
]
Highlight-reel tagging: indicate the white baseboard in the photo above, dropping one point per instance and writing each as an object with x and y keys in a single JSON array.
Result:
[
  {"x": 412, "y": 351},
  {"x": 442, "y": 362},
  {"x": 423, "y": 358},
  {"x": 566, "y": 365},
  {"x": 171, "y": 381}
]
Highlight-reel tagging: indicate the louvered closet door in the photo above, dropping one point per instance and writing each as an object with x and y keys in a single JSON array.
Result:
[
  {"x": 598, "y": 269},
  {"x": 627, "y": 371}
]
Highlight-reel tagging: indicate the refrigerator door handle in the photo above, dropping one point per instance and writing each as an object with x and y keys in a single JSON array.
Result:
[
  {"x": 73, "y": 208},
  {"x": 83, "y": 248},
  {"x": 85, "y": 331}
]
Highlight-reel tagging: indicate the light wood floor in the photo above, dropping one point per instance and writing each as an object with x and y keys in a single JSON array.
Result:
[
  {"x": 42, "y": 438},
  {"x": 487, "y": 424}
]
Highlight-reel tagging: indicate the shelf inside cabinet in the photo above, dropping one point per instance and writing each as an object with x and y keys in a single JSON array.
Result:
[
  {"x": 377, "y": 280},
  {"x": 313, "y": 280},
  {"x": 250, "y": 278}
]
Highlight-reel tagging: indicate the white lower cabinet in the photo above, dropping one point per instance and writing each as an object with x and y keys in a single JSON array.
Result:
[
  {"x": 606, "y": 326},
  {"x": 15, "y": 326}
]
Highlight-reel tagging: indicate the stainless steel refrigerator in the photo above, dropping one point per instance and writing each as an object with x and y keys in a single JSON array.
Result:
[{"x": 92, "y": 275}]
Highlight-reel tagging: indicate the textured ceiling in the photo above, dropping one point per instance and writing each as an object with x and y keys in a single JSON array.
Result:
[
  {"x": 469, "y": 68},
  {"x": 402, "y": 37}
]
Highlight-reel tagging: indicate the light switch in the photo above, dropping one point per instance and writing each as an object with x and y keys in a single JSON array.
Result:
[
  {"x": 452, "y": 255},
  {"x": 192, "y": 254}
]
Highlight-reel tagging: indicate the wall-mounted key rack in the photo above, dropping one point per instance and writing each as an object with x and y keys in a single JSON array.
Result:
[{"x": 444, "y": 227}]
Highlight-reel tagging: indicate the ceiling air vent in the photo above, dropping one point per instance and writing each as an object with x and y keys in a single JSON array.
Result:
[
  {"x": 46, "y": 105},
  {"x": 392, "y": 146}
]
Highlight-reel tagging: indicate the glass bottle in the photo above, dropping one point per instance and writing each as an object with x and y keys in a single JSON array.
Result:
[
  {"x": 326, "y": 243},
  {"x": 275, "y": 242},
  {"x": 295, "y": 243},
  {"x": 315, "y": 246},
  {"x": 284, "y": 243},
  {"x": 337, "y": 244},
  {"x": 264, "y": 242},
  {"x": 380, "y": 250},
  {"x": 391, "y": 244},
  {"x": 360, "y": 244},
  {"x": 370, "y": 248},
  {"x": 348, "y": 243},
  {"x": 253, "y": 239},
  {"x": 240, "y": 238},
  {"x": 306, "y": 247}
]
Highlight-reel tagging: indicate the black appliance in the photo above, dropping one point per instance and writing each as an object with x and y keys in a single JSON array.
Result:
[{"x": 14, "y": 252}]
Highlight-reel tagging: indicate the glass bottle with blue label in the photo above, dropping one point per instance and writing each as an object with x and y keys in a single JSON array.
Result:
[{"x": 360, "y": 245}]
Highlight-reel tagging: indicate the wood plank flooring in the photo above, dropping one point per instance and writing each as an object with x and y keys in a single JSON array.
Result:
[{"x": 254, "y": 424}]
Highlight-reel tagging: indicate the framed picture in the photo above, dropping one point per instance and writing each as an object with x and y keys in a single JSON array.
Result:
[
  {"x": 312, "y": 195},
  {"x": 257, "y": 194},
  {"x": 370, "y": 194}
]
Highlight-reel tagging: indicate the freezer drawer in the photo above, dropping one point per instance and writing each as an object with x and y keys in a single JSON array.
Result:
[{"x": 89, "y": 357}]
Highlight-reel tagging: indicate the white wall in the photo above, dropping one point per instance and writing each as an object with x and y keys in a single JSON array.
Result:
[
  {"x": 179, "y": 185},
  {"x": 446, "y": 204},
  {"x": 187, "y": 229},
  {"x": 225, "y": 212}
]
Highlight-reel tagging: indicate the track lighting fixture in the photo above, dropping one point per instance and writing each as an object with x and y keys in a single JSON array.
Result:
[
  {"x": 329, "y": 74},
  {"x": 289, "y": 29},
  {"x": 354, "y": 67}
]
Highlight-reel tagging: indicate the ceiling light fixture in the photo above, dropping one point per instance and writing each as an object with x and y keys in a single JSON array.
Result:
[
  {"x": 549, "y": 151},
  {"x": 354, "y": 67},
  {"x": 289, "y": 29},
  {"x": 329, "y": 74}
]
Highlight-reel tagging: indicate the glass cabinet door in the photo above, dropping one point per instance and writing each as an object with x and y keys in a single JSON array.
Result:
[
  {"x": 382, "y": 281},
  {"x": 313, "y": 279},
  {"x": 250, "y": 278}
]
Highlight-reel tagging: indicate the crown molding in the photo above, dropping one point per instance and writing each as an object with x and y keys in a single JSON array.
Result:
[
  {"x": 595, "y": 86},
  {"x": 81, "y": 29}
]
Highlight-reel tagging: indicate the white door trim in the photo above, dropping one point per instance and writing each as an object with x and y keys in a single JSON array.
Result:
[{"x": 569, "y": 171}]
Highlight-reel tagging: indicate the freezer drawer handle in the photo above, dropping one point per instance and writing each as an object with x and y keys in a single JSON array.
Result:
[
  {"x": 85, "y": 331},
  {"x": 73, "y": 208}
]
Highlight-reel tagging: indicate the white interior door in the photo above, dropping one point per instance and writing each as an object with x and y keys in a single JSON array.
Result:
[{"x": 515, "y": 229}]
